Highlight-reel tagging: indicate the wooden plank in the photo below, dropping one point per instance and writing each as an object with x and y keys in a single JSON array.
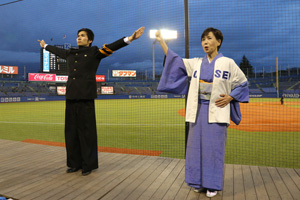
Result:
[
  {"x": 193, "y": 195},
  {"x": 58, "y": 183},
  {"x": 22, "y": 153},
  {"x": 250, "y": 192},
  {"x": 165, "y": 180},
  {"x": 184, "y": 189},
  {"x": 259, "y": 183},
  {"x": 37, "y": 175},
  {"x": 159, "y": 180},
  {"x": 60, "y": 178},
  {"x": 119, "y": 189},
  {"x": 32, "y": 166},
  {"x": 47, "y": 173},
  {"x": 176, "y": 185},
  {"x": 219, "y": 196},
  {"x": 281, "y": 187},
  {"x": 238, "y": 183},
  {"x": 269, "y": 184},
  {"x": 33, "y": 171},
  {"x": 122, "y": 191},
  {"x": 228, "y": 182},
  {"x": 33, "y": 180},
  {"x": 290, "y": 184},
  {"x": 145, "y": 184},
  {"x": 91, "y": 184},
  {"x": 105, "y": 160},
  {"x": 294, "y": 176},
  {"x": 297, "y": 171},
  {"x": 120, "y": 176}
]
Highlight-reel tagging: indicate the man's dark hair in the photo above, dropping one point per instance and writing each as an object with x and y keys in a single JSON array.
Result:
[
  {"x": 89, "y": 34},
  {"x": 217, "y": 33}
]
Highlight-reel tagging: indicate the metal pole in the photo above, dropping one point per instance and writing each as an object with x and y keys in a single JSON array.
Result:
[
  {"x": 108, "y": 75},
  {"x": 186, "y": 29},
  {"x": 271, "y": 71},
  {"x": 187, "y": 55},
  {"x": 153, "y": 60},
  {"x": 24, "y": 72}
]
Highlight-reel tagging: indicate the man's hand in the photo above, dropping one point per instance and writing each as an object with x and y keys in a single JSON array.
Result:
[
  {"x": 42, "y": 43},
  {"x": 223, "y": 101},
  {"x": 137, "y": 34}
]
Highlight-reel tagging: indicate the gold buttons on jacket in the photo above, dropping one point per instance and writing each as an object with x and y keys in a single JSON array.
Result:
[
  {"x": 74, "y": 78},
  {"x": 75, "y": 61},
  {"x": 76, "y": 54},
  {"x": 74, "y": 70},
  {"x": 85, "y": 55}
]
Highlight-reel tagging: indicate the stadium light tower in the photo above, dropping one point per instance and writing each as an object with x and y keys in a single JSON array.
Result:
[{"x": 167, "y": 35}]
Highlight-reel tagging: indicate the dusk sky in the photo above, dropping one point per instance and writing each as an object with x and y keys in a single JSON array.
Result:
[{"x": 260, "y": 30}]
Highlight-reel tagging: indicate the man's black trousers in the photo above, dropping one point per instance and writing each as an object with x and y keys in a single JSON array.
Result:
[{"x": 81, "y": 134}]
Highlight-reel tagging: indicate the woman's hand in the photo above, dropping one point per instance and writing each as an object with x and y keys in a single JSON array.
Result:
[
  {"x": 223, "y": 101},
  {"x": 158, "y": 36},
  {"x": 137, "y": 34},
  {"x": 161, "y": 41},
  {"x": 42, "y": 43}
]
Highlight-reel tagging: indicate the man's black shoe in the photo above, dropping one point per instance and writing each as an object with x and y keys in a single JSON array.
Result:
[
  {"x": 86, "y": 172},
  {"x": 71, "y": 170}
]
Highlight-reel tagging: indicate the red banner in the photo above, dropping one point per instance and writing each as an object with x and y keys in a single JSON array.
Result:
[
  {"x": 100, "y": 78},
  {"x": 53, "y": 77},
  {"x": 8, "y": 69},
  {"x": 41, "y": 77}
]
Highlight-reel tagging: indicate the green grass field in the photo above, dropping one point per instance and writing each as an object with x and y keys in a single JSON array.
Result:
[{"x": 147, "y": 124}]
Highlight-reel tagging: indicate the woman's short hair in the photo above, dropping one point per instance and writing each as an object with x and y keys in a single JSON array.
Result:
[
  {"x": 217, "y": 33},
  {"x": 89, "y": 34}
]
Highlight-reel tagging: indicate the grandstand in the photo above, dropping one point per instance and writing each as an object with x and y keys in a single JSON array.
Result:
[
  {"x": 24, "y": 89},
  {"x": 262, "y": 86},
  {"x": 268, "y": 85}
]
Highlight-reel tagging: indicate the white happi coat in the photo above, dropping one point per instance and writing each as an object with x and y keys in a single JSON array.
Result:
[{"x": 227, "y": 76}]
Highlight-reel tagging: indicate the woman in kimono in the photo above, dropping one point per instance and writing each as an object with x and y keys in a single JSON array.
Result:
[{"x": 217, "y": 85}]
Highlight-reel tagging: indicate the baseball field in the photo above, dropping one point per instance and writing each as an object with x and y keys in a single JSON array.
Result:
[{"x": 269, "y": 134}]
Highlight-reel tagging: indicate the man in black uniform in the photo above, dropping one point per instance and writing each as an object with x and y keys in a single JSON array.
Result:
[{"x": 80, "y": 120}]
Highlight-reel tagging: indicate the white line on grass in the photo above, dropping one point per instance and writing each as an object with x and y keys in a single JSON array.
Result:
[{"x": 99, "y": 124}]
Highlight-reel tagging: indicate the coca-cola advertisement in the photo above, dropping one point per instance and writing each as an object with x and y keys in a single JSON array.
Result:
[{"x": 41, "y": 77}]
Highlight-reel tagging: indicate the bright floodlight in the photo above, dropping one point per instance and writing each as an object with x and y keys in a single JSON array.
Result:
[{"x": 166, "y": 34}]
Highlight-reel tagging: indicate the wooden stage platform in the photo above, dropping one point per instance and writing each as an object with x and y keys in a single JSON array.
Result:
[{"x": 33, "y": 171}]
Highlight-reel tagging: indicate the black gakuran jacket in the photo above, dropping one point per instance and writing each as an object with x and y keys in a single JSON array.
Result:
[{"x": 82, "y": 67}]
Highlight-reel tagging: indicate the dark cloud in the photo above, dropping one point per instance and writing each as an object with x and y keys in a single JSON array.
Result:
[{"x": 261, "y": 30}]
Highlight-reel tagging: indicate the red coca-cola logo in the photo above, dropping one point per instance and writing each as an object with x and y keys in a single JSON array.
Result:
[{"x": 42, "y": 77}]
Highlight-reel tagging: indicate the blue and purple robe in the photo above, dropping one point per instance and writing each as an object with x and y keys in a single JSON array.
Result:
[{"x": 206, "y": 144}]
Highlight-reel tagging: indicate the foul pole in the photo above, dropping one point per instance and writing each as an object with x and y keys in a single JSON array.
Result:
[{"x": 277, "y": 81}]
